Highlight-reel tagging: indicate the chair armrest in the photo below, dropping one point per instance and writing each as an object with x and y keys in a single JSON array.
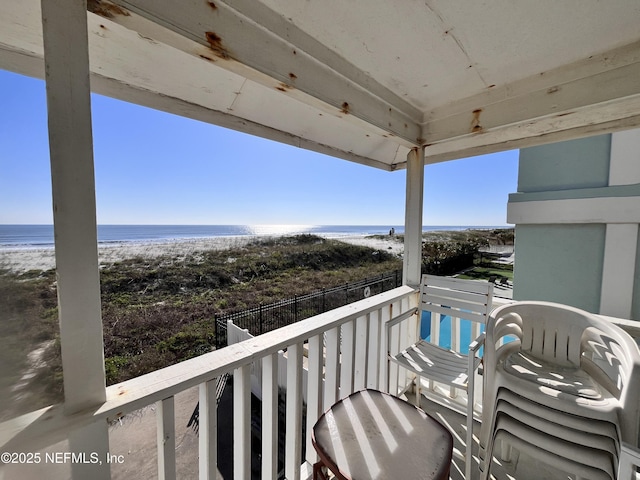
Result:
[
  {"x": 477, "y": 343},
  {"x": 394, "y": 321},
  {"x": 473, "y": 349},
  {"x": 401, "y": 318}
]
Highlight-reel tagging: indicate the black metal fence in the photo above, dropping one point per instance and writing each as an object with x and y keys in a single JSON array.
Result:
[{"x": 264, "y": 318}]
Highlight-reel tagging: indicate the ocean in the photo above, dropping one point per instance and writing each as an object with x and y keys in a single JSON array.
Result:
[{"x": 41, "y": 236}]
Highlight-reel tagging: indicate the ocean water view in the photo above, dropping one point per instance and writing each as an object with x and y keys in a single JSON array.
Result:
[{"x": 41, "y": 236}]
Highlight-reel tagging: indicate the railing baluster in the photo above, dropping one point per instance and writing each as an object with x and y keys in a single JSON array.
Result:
[
  {"x": 332, "y": 367},
  {"x": 242, "y": 423},
  {"x": 161, "y": 386},
  {"x": 476, "y": 328},
  {"x": 413, "y": 330},
  {"x": 455, "y": 334},
  {"x": 346, "y": 359},
  {"x": 436, "y": 318},
  {"x": 394, "y": 347},
  {"x": 293, "y": 439},
  {"x": 360, "y": 364},
  {"x": 455, "y": 346},
  {"x": 314, "y": 393},
  {"x": 270, "y": 416},
  {"x": 207, "y": 430},
  {"x": 406, "y": 332},
  {"x": 374, "y": 350},
  {"x": 384, "y": 316},
  {"x": 165, "y": 420}
]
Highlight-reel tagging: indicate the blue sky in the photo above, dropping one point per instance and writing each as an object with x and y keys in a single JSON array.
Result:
[{"x": 156, "y": 168}]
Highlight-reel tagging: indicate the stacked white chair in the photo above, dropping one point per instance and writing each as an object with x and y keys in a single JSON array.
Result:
[{"x": 561, "y": 385}]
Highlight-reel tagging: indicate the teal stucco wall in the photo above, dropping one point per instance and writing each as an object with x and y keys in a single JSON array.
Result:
[
  {"x": 574, "y": 164},
  {"x": 560, "y": 263}
]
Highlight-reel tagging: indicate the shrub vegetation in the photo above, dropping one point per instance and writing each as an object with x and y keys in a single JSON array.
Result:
[{"x": 159, "y": 311}]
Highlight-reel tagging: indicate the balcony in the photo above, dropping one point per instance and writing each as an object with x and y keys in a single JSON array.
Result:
[
  {"x": 333, "y": 354},
  {"x": 331, "y": 80}
]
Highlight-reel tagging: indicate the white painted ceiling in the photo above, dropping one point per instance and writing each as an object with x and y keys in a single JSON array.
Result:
[{"x": 364, "y": 80}]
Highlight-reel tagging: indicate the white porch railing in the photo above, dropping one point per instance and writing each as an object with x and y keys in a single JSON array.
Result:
[
  {"x": 347, "y": 341},
  {"x": 344, "y": 352}
]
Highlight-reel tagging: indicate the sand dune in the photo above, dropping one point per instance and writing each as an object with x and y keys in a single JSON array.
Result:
[{"x": 21, "y": 260}]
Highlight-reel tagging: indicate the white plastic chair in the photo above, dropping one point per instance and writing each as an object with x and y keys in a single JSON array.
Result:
[
  {"x": 593, "y": 450},
  {"x": 459, "y": 299},
  {"x": 577, "y": 469},
  {"x": 579, "y": 367},
  {"x": 573, "y": 427}
]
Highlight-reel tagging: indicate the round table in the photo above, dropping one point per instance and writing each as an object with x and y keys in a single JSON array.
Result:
[{"x": 374, "y": 435}]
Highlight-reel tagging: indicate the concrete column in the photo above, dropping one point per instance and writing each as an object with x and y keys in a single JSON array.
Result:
[{"x": 412, "y": 262}]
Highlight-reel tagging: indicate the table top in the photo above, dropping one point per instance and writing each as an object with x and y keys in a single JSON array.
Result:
[{"x": 374, "y": 435}]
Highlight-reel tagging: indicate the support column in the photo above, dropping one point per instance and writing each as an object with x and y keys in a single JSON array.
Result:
[
  {"x": 74, "y": 204},
  {"x": 621, "y": 241},
  {"x": 618, "y": 269},
  {"x": 66, "y": 57},
  {"x": 412, "y": 262}
]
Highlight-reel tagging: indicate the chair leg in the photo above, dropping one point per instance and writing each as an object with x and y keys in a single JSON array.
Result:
[
  {"x": 468, "y": 457},
  {"x": 318, "y": 473}
]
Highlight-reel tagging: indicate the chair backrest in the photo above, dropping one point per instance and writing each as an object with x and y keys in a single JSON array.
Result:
[
  {"x": 461, "y": 298},
  {"x": 561, "y": 334}
]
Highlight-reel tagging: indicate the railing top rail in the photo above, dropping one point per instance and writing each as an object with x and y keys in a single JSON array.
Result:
[{"x": 51, "y": 424}]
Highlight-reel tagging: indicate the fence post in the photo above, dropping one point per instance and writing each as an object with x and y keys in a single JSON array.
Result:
[
  {"x": 260, "y": 318},
  {"x": 295, "y": 307},
  {"x": 324, "y": 301},
  {"x": 215, "y": 322}
]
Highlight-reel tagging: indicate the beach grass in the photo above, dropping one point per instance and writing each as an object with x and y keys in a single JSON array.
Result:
[
  {"x": 158, "y": 305},
  {"x": 159, "y": 310}
]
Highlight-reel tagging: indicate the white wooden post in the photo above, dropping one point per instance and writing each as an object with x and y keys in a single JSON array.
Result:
[
  {"x": 270, "y": 416},
  {"x": 412, "y": 260},
  {"x": 346, "y": 358},
  {"x": 293, "y": 453},
  {"x": 90, "y": 440},
  {"x": 314, "y": 393},
  {"x": 375, "y": 350},
  {"x": 393, "y": 370},
  {"x": 332, "y": 367},
  {"x": 66, "y": 55},
  {"x": 360, "y": 363},
  {"x": 207, "y": 431},
  {"x": 74, "y": 205},
  {"x": 385, "y": 343},
  {"x": 242, "y": 423},
  {"x": 166, "y": 436}
]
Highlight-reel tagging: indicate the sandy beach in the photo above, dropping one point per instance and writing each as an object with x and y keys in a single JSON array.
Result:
[{"x": 20, "y": 260}]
